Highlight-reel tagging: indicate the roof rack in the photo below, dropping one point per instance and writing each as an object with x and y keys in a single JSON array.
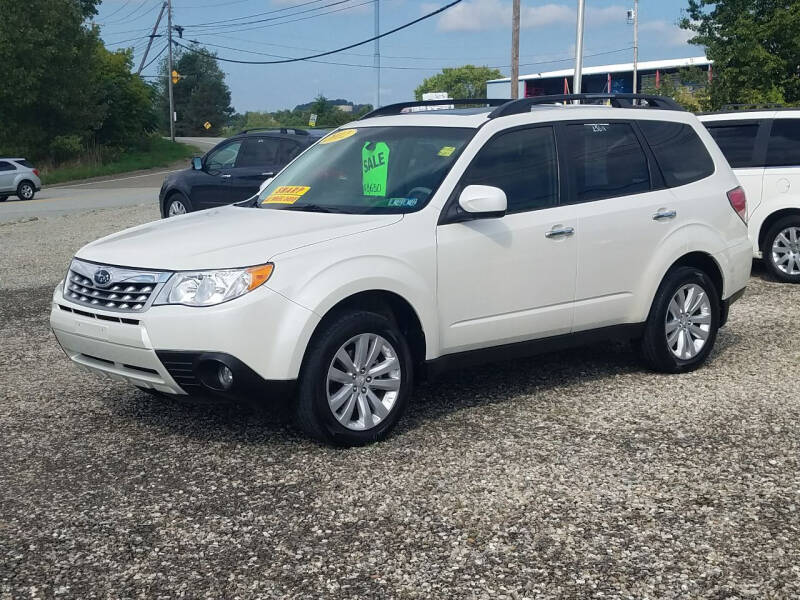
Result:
[
  {"x": 396, "y": 109},
  {"x": 524, "y": 105},
  {"x": 294, "y": 130},
  {"x": 760, "y": 106}
]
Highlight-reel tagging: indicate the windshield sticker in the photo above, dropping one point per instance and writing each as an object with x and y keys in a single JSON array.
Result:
[
  {"x": 375, "y": 168},
  {"x": 447, "y": 150},
  {"x": 286, "y": 194},
  {"x": 401, "y": 202},
  {"x": 336, "y": 136}
]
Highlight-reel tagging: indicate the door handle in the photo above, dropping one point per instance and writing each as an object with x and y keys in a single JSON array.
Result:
[
  {"x": 559, "y": 231},
  {"x": 268, "y": 174},
  {"x": 664, "y": 214},
  {"x": 226, "y": 176}
]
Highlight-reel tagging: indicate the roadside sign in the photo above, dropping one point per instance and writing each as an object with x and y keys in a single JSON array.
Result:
[
  {"x": 312, "y": 120},
  {"x": 207, "y": 125}
]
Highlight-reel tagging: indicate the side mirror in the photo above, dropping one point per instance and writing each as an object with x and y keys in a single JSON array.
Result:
[
  {"x": 197, "y": 163},
  {"x": 265, "y": 184},
  {"x": 483, "y": 201}
]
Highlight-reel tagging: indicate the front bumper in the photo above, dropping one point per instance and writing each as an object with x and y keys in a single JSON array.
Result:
[{"x": 262, "y": 336}]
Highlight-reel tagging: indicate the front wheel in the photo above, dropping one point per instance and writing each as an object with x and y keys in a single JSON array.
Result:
[
  {"x": 684, "y": 319},
  {"x": 3, "y": 198},
  {"x": 177, "y": 205},
  {"x": 781, "y": 249},
  {"x": 26, "y": 191},
  {"x": 355, "y": 381}
]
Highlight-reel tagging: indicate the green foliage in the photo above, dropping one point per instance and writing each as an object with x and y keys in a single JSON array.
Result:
[
  {"x": 468, "y": 81},
  {"x": 62, "y": 91},
  {"x": 755, "y": 46},
  {"x": 689, "y": 88},
  {"x": 200, "y": 96},
  {"x": 328, "y": 115}
]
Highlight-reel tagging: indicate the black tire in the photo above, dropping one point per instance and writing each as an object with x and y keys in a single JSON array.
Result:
[
  {"x": 177, "y": 198},
  {"x": 3, "y": 198},
  {"x": 312, "y": 411},
  {"x": 26, "y": 190},
  {"x": 770, "y": 259},
  {"x": 656, "y": 351}
]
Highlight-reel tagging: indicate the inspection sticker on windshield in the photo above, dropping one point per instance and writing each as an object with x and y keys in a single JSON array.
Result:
[
  {"x": 375, "y": 168},
  {"x": 336, "y": 136},
  {"x": 286, "y": 194},
  {"x": 446, "y": 150}
]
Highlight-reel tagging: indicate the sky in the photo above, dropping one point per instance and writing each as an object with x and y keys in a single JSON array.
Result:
[{"x": 472, "y": 32}]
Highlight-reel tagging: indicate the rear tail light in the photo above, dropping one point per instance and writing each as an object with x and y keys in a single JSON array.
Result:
[
  {"x": 36, "y": 172},
  {"x": 738, "y": 202}
]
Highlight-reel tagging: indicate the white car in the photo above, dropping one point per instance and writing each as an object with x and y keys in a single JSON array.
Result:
[
  {"x": 763, "y": 147},
  {"x": 403, "y": 244}
]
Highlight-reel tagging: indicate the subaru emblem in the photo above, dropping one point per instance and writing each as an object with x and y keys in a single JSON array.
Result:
[{"x": 102, "y": 277}]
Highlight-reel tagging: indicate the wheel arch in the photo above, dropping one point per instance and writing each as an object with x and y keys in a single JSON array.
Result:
[
  {"x": 708, "y": 265},
  {"x": 773, "y": 218},
  {"x": 170, "y": 194}
]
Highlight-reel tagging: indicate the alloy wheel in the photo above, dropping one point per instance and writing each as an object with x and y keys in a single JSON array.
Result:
[
  {"x": 688, "y": 321},
  {"x": 176, "y": 207},
  {"x": 786, "y": 251},
  {"x": 363, "y": 381},
  {"x": 26, "y": 191}
]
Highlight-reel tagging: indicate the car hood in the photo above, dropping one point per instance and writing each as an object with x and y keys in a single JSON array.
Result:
[{"x": 225, "y": 237}]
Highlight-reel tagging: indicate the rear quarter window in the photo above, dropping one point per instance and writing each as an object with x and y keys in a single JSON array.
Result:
[
  {"x": 25, "y": 163},
  {"x": 680, "y": 153},
  {"x": 737, "y": 142},
  {"x": 784, "y": 143}
]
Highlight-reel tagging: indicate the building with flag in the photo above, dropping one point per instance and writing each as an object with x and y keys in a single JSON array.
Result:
[{"x": 605, "y": 78}]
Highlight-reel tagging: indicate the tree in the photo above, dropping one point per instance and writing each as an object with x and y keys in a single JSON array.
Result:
[
  {"x": 688, "y": 87},
  {"x": 200, "y": 96},
  {"x": 468, "y": 81},
  {"x": 755, "y": 46}
]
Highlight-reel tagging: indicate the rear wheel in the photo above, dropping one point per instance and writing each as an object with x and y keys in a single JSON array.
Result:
[
  {"x": 683, "y": 322},
  {"x": 3, "y": 198},
  {"x": 355, "y": 381},
  {"x": 26, "y": 191},
  {"x": 177, "y": 205},
  {"x": 781, "y": 249}
]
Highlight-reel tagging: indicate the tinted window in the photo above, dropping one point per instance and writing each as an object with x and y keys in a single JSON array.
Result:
[
  {"x": 784, "y": 143},
  {"x": 606, "y": 160},
  {"x": 737, "y": 142},
  {"x": 680, "y": 154},
  {"x": 25, "y": 163},
  {"x": 258, "y": 152},
  {"x": 4, "y": 166},
  {"x": 287, "y": 151},
  {"x": 225, "y": 157},
  {"x": 523, "y": 164}
]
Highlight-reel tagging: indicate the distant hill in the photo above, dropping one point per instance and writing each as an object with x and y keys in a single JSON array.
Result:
[{"x": 337, "y": 102}]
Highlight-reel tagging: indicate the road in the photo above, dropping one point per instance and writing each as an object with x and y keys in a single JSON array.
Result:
[{"x": 127, "y": 189}]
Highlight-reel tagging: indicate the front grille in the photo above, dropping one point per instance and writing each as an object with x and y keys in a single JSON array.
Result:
[{"x": 125, "y": 290}]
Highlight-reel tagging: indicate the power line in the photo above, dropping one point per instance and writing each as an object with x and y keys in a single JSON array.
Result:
[
  {"x": 129, "y": 16},
  {"x": 156, "y": 57},
  {"x": 329, "y": 52},
  {"x": 268, "y": 12},
  {"x": 123, "y": 5},
  {"x": 299, "y": 12}
]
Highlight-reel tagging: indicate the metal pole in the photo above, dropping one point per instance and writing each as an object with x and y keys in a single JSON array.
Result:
[
  {"x": 515, "y": 51},
  {"x": 635, "y": 45},
  {"x": 576, "y": 81},
  {"x": 377, "y": 54},
  {"x": 152, "y": 35},
  {"x": 169, "y": 74}
]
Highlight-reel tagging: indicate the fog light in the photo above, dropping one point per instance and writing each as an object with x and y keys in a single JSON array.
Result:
[{"x": 225, "y": 376}]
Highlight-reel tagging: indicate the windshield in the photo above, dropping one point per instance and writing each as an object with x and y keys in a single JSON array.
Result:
[{"x": 368, "y": 170}]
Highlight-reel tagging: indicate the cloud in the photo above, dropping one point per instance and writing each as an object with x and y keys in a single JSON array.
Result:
[
  {"x": 480, "y": 15},
  {"x": 665, "y": 33}
]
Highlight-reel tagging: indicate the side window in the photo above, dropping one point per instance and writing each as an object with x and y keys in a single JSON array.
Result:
[
  {"x": 784, "y": 143},
  {"x": 6, "y": 166},
  {"x": 223, "y": 158},
  {"x": 287, "y": 151},
  {"x": 606, "y": 160},
  {"x": 523, "y": 164},
  {"x": 258, "y": 152},
  {"x": 737, "y": 142},
  {"x": 680, "y": 154}
]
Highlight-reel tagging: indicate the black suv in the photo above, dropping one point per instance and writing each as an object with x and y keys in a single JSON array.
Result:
[{"x": 233, "y": 170}]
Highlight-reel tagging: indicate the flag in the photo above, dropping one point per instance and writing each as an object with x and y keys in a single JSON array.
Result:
[
  {"x": 566, "y": 86},
  {"x": 658, "y": 79},
  {"x": 609, "y": 83}
]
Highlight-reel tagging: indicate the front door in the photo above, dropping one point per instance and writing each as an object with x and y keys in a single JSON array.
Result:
[
  {"x": 214, "y": 187},
  {"x": 509, "y": 279}
]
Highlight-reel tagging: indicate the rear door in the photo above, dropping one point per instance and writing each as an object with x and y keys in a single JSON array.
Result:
[
  {"x": 782, "y": 164},
  {"x": 7, "y": 174},
  {"x": 742, "y": 142},
  {"x": 258, "y": 160}
]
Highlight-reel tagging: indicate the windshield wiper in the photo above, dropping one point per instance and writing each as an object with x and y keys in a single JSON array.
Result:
[{"x": 314, "y": 208}]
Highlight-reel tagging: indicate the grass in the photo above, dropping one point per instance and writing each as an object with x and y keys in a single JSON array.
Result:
[{"x": 156, "y": 152}]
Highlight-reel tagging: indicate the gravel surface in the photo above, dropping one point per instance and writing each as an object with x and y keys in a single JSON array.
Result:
[{"x": 571, "y": 475}]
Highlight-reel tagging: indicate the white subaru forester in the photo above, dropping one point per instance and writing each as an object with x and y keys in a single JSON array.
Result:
[{"x": 405, "y": 243}]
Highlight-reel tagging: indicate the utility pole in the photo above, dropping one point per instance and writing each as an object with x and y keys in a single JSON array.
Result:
[
  {"x": 515, "y": 51},
  {"x": 576, "y": 80},
  {"x": 635, "y": 45},
  {"x": 169, "y": 73},
  {"x": 152, "y": 35},
  {"x": 377, "y": 53}
]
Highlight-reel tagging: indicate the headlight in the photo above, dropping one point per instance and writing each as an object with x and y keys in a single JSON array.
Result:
[{"x": 206, "y": 288}]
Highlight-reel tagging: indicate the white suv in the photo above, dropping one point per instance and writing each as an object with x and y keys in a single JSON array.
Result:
[
  {"x": 763, "y": 147},
  {"x": 403, "y": 244}
]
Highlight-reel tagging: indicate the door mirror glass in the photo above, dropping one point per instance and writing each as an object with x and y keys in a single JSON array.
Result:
[
  {"x": 483, "y": 201},
  {"x": 197, "y": 163}
]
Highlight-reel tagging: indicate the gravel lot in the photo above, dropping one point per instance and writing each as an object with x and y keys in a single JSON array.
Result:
[{"x": 572, "y": 475}]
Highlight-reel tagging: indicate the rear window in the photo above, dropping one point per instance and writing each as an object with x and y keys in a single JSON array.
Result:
[
  {"x": 25, "y": 163},
  {"x": 784, "y": 143},
  {"x": 680, "y": 153},
  {"x": 737, "y": 142}
]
